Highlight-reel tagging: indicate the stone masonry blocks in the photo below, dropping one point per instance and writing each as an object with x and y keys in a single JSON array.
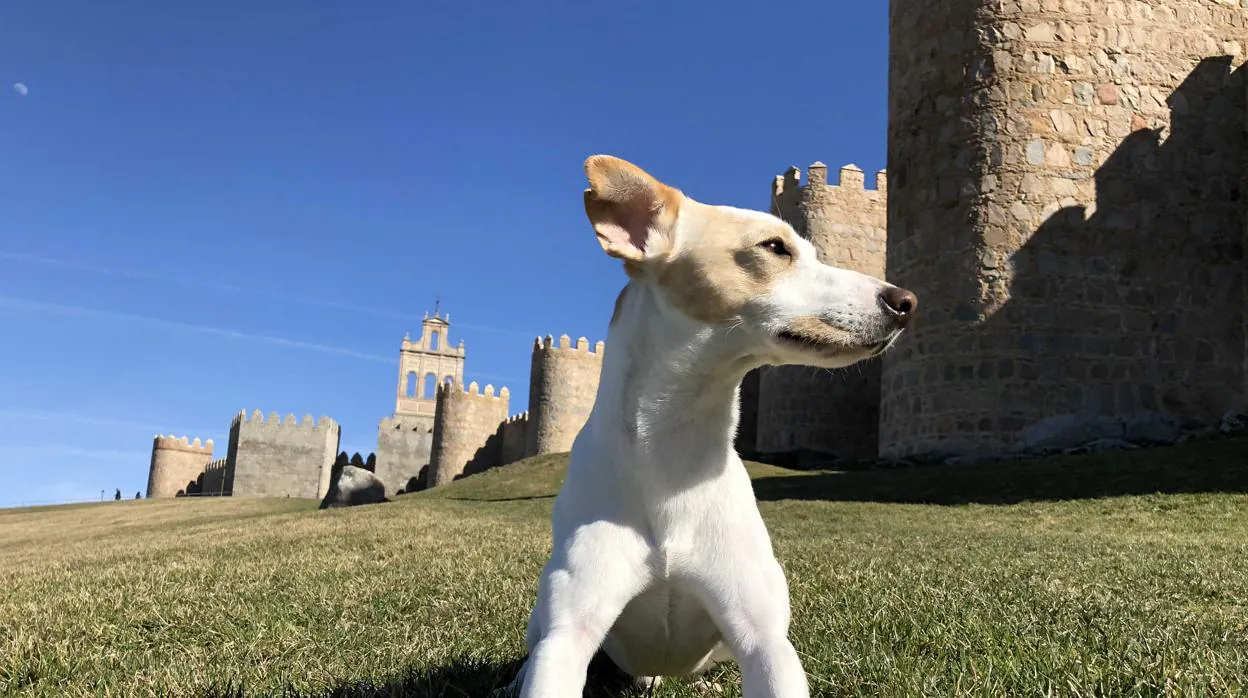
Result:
[
  {"x": 404, "y": 447},
  {"x": 176, "y": 465},
  {"x": 1065, "y": 200},
  {"x": 514, "y": 433},
  {"x": 281, "y": 458},
  {"x": 563, "y": 382},
  {"x": 466, "y": 433},
  {"x": 800, "y": 407}
]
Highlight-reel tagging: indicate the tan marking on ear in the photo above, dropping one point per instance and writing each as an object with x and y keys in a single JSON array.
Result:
[
  {"x": 632, "y": 212},
  {"x": 724, "y": 267}
]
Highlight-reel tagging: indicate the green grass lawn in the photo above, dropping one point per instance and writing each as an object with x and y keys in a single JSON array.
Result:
[{"x": 1117, "y": 574}]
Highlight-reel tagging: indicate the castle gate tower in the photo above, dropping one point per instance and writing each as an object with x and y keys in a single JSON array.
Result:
[
  {"x": 802, "y": 407},
  {"x": 405, "y": 439},
  {"x": 1065, "y": 200}
]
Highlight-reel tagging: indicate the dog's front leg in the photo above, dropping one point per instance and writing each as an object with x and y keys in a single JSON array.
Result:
[
  {"x": 591, "y": 577},
  {"x": 749, "y": 601}
]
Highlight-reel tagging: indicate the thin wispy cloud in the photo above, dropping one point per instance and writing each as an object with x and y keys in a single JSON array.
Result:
[
  {"x": 31, "y": 306},
  {"x": 232, "y": 288},
  {"x": 42, "y": 452},
  {"x": 25, "y": 305},
  {"x": 20, "y": 88},
  {"x": 16, "y": 414}
]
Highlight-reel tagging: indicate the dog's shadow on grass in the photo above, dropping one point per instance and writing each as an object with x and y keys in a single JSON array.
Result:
[{"x": 461, "y": 678}]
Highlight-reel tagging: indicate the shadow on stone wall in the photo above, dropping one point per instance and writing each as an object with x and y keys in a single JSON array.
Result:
[
  {"x": 1125, "y": 321},
  {"x": 418, "y": 482},
  {"x": 489, "y": 455}
]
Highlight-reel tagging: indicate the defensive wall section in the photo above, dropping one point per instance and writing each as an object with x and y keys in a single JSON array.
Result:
[
  {"x": 404, "y": 447},
  {"x": 1067, "y": 201},
  {"x": 212, "y": 482},
  {"x": 563, "y": 382},
  {"x": 467, "y": 436},
  {"x": 513, "y": 433},
  {"x": 800, "y": 408},
  {"x": 281, "y": 458},
  {"x": 176, "y": 465}
]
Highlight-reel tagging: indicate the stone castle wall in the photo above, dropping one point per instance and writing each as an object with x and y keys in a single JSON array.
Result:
[
  {"x": 176, "y": 465},
  {"x": 212, "y": 482},
  {"x": 281, "y": 458},
  {"x": 404, "y": 446},
  {"x": 467, "y": 434},
  {"x": 1066, "y": 201},
  {"x": 563, "y": 381},
  {"x": 513, "y": 434},
  {"x": 804, "y": 408}
]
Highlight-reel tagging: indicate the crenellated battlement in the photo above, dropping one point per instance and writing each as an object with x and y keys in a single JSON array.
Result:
[
  {"x": 474, "y": 391},
  {"x": 177, "y": 464},
  {"x": 274, "y": 420},
  {"x": 181, "y": 443},
  {"x": 466, "y": 431},
  {"x": 850, "y": 178},
  {"x": 563, "y": 380},
  {"x": 547, "y": 343},
  {"x": 520, "y": 418}
]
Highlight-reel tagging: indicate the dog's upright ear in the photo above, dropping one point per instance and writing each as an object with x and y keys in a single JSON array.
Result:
[{"x": 632, "y": 212}]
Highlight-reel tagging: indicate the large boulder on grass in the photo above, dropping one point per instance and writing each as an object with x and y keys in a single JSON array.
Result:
[{"x": 354, "y": 486}]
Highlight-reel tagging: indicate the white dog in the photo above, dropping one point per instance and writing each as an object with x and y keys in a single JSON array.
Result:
[{"x": 660, "y": 557}]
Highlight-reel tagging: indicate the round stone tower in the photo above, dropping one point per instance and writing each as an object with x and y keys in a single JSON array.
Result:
[
  {"x": 176, "y": 465},
  {"x": 563, "y": 381},
  {"x": 467, "y": 434},
  {"x": 804, "y": 408},
  {"x": 1064, "y": 199}
]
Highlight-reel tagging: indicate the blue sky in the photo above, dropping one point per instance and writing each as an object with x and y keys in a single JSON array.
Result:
[{"x": 214, "y": 206}]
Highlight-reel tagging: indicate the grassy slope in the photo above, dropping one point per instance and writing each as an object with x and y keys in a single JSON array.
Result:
[{"x": 1071, "y": 575}]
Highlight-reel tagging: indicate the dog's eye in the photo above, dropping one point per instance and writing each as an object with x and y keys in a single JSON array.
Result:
[{"x": 776, "y": 246}]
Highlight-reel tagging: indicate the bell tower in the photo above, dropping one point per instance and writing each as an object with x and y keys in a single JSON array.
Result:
[{"x": 424, "y": 363}]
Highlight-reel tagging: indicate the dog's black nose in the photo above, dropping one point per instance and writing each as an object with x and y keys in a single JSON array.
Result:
[{"x": 901, "y": 302}]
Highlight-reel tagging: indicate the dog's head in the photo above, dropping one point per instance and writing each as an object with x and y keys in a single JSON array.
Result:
[{"x": 744, "y": 271}]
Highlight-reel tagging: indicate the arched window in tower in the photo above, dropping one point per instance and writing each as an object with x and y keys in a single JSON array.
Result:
[
  {"x": 433, "y": 340},
  {"x": 411, "y": 384},
  {"x": 449, "y": 380},
  {"x": 431, "y": 385}
]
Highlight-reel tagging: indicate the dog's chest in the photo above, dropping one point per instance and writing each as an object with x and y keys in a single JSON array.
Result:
[{"x": 665, "y": 630}]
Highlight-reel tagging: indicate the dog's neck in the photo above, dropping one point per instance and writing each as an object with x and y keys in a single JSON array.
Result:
[{"x": 669, "y": 385}]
